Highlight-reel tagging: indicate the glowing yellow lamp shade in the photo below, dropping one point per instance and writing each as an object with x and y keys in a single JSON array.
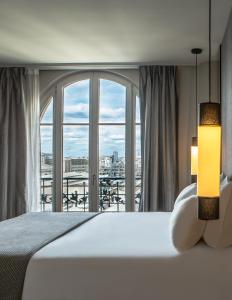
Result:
[
  {"x": 194, "y": 160},
  {"x": 209, "y": 161},
  {"x": 209, "y": 157},
  {"x": 194, "y": 157}
]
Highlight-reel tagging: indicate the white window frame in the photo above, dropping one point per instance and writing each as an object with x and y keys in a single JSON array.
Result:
[{"x": 56, "y": 92}]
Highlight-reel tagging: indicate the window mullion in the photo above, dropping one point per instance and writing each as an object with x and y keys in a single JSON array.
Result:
[
  {"x": 93, "y": 143},
  {"x": 130, "y": 116},
  {"x": 58, "y": 150}
]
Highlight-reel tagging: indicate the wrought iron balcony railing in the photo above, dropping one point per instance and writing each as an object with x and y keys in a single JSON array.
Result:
[{"x": 75, "y": 194}]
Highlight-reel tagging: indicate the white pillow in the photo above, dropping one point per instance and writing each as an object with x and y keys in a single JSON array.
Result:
[
  {"x": 189, "y": 190},
  {"x": 222, "y": 177},
  {"x": 185, "y": 227},
  {"x": 218, "y": 233}
]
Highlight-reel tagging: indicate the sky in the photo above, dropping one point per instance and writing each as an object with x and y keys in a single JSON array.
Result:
[{"x": 76, "y": 110}]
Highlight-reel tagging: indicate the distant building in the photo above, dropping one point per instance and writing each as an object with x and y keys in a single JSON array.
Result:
[
  {"x": 46, "y": 169},
  {"x": 115, "y": 157},
  {"x": 42, "y": 159},
  {"x": 109, "y": 166},
  {"x": 79, "y": 165},
  {"x": 46, "y": 164},
  {"x": 67, "y": 165},
  {"x": 46, "y": 158},
  {"x": 112, "y": 166}
]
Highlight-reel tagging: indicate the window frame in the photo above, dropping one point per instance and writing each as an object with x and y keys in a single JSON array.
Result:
[
  {"x": 56, "y": 91},
  {"x": 42, "y": 125}
]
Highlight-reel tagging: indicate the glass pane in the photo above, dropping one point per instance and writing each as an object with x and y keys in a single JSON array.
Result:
[
  {"x": 46, "y": 168},
  {"x": 75, "y": 168},
  {"x": 48, "y": 114},
  {"x": 76, "y": 102},
  {"x": 138, "y": 167},
  {"x": 137, "y": 110},
  {"x": 112, "y": 102},
  {"x": 112, "y": 168}
]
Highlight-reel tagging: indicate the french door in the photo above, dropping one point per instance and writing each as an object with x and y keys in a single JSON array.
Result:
[{"x": 96, "y": 156}]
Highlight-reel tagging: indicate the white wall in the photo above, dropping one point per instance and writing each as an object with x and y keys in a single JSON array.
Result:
[
  {"x": 227, "y": 100},
  {"x": 187, "y": 111}
]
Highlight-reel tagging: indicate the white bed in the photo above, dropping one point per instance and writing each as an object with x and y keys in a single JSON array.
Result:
[{"x": 118, "y": 256}]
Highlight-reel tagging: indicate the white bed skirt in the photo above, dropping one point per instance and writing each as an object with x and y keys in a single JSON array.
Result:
[{"x": 127, "y": 256}]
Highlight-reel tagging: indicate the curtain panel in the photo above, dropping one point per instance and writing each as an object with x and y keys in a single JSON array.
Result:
[
  {"x": 18, "y": 156},
  {"x": 159, "y": 138},
  {"x": 33, "y": 140}
]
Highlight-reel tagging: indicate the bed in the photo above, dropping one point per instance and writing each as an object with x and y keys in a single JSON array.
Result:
[{"x": 127, "y": 256}]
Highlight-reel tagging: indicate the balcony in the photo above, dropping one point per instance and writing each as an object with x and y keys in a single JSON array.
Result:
[{"x": 75, "y": 194}]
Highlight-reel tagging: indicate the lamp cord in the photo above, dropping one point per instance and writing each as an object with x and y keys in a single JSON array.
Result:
[
  {"x": 196, "y": 92},
  {"x": 209, "y": 50}
]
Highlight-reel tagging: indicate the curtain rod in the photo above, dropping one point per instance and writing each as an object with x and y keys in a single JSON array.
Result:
[
  {"x": 85, "y": 66},
  {"x": 73, "y": 66},
  {"x": 88, "y": 66}
]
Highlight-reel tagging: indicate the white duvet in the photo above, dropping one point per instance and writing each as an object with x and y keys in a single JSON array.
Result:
[{"x": 127, "y": 256}]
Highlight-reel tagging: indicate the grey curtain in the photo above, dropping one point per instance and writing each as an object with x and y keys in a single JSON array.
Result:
[
  {"x": 19, "y": 141},
  {"x": 159, "y": 107},
  {"x": 12, "y": 142},
  {"x": 33, "y": 140}
]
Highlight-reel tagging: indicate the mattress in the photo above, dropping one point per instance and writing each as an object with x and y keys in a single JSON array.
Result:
[{"x": 118, "y": 256}]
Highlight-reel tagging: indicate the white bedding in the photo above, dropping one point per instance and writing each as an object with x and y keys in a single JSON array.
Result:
[{"x": 123, "y": 256}]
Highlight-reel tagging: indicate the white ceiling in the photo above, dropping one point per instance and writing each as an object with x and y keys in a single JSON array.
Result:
[{"x": 101, "y": 31}]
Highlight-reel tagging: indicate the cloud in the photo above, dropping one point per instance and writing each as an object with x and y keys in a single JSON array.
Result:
[
  {"x": 76, "y": 132},
  {"x": 74, "y": 116},
  {"x": 112, "y": 103},
  {"x": 111, "y": 87},
  {"x": 112, "y": 138},
  {"x": 112, "y": 114},
  {"x": 76, "y": 113},
  {"x": 76, "y": 141},
  {"x": 46, "y": 132},
  {"x": 77, "y": 107},
  {"x": 78, "y": 91}
]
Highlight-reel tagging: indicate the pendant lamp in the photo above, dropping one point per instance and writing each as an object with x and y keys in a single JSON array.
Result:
[
  {"x": 194, "y": 147},
  {"x": 209, "y": 152}
]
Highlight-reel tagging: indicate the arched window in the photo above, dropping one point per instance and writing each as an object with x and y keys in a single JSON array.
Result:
[{"x": 90, "y": 144}]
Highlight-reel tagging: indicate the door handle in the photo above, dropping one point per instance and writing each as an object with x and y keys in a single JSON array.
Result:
[{"x": 93, "y": 179}]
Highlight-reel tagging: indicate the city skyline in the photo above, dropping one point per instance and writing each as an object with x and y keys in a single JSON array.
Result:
[{"x": 112, "y": 165}]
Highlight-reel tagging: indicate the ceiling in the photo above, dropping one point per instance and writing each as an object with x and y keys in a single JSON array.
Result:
[{"x": 108, "y": 31}]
